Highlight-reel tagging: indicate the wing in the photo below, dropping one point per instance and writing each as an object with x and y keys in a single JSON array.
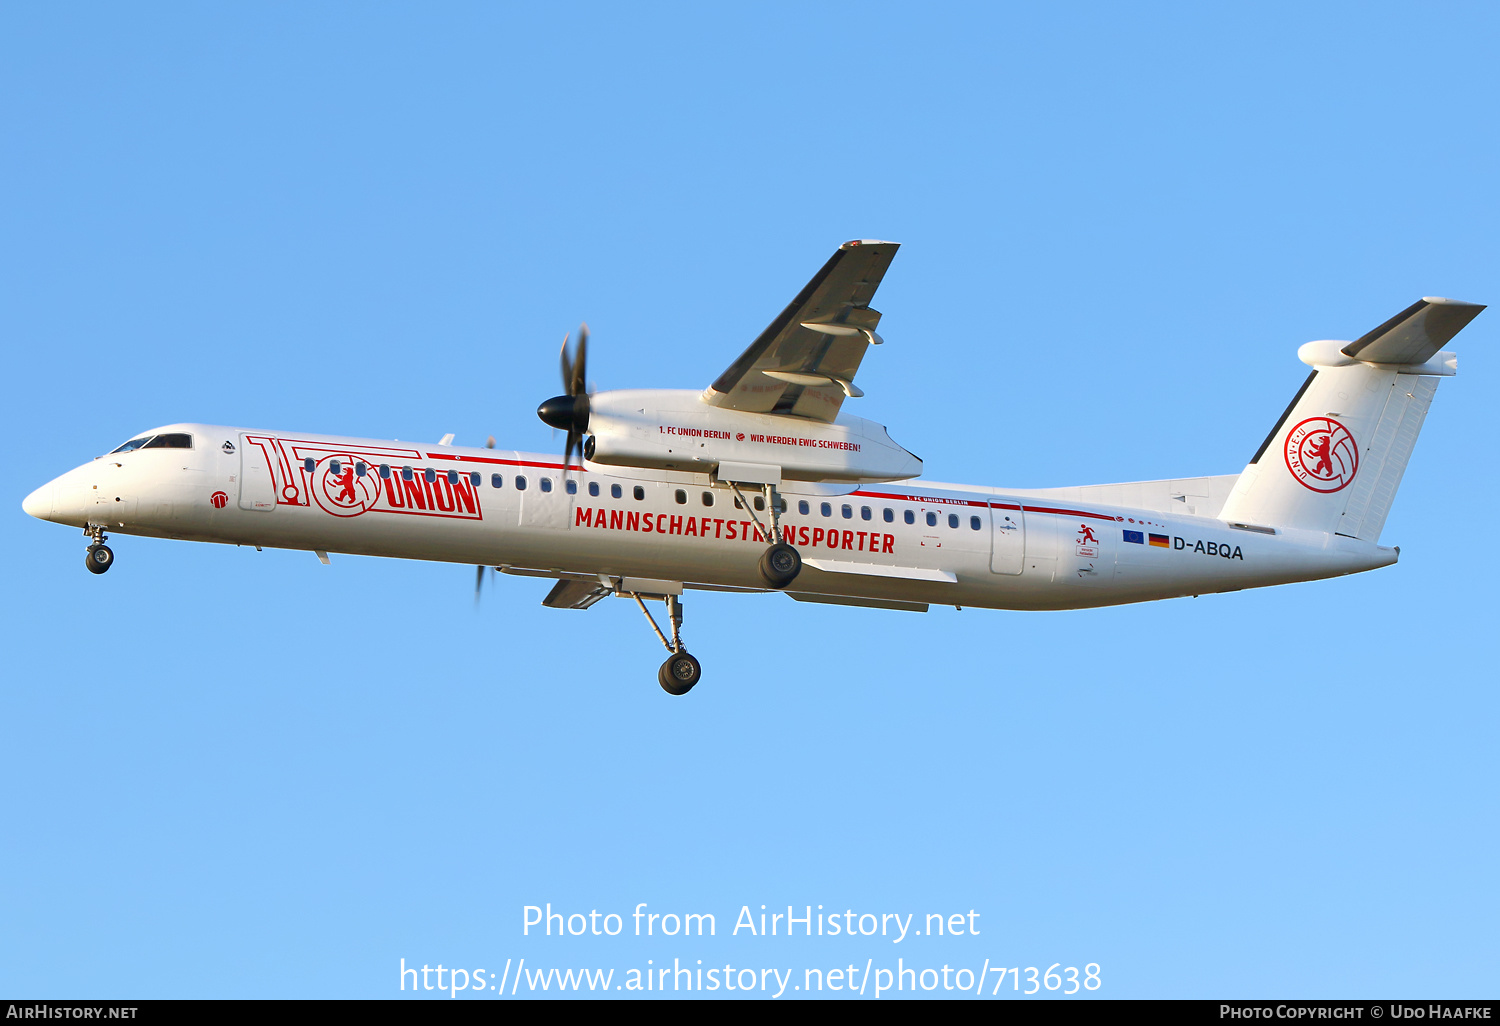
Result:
[
  {"x": 1415, "y": 334},
  {"x": 804, "y": 363}
]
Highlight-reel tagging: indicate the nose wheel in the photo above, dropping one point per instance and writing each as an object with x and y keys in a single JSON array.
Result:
[{"x": 99, "y": 557}]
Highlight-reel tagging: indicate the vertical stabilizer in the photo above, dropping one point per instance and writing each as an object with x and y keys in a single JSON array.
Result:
[{"x": 1334, "y": 460}]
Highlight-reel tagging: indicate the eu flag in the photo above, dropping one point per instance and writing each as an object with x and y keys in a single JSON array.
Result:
[{"x": 1135, "y": 537}]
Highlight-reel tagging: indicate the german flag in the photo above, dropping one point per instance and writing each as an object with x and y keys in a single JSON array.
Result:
[{"x": 1161, "y": 541}]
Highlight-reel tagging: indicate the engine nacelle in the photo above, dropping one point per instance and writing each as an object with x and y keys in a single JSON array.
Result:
[{"x": 675, "y": 430}]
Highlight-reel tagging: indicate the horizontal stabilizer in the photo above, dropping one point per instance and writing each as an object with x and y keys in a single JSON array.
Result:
[
  {"x": 1193, "y": 496},
  {"x": 1415, "y": 334}
]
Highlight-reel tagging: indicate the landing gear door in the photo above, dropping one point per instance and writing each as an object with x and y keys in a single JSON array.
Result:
[
  {"x": 1008, "y": 539},
  {"x": 257, "y": 486}
]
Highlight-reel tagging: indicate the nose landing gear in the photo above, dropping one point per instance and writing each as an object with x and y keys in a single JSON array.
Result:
[{"x": 99, "y": 557}]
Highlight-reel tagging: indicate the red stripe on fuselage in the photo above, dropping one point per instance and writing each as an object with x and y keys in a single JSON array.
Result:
[
  {"x": 504, "y": 463},
  {"x": 939, "y": 500}
]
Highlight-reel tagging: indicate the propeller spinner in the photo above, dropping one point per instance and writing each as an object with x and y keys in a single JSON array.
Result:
[{"x": 570, "y": 412}]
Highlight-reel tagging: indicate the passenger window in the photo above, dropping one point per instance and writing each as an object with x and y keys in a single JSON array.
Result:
[
  {"x": 864, "y": 513},
  {"x": 309, "y": 464},
  {"x": 952, "y": 519},
  {"x": 802, "y": 507},
  {"x": 406, "y": 474},
  {"x": 932, "y": 520},
  {"x": 497, "y": 480},
  {"x": 680, "y": 496},
  {"x": 385, "y": 471},
  {"x": 572, "y": 487},
  {"x": 475, "y": 478},
  {"x": 520, "y": 483},
  {"x": 890, "y": 515},
  {"x": 973, "y": 523},
  {"x": 359, "y": 469},
  {"x": 546, "y": 483},
  {"x": 760, "y": 503},
  {"x": 708, "y": 498},
  {"x": 453, "y": 477},
  {"x": 640, "y": 493},
  {"x": 337, "y": 468},
  {"x": 848, "y": 511},
  {"x": 615, "y": 492},
  {"x": 911, "y": 518},
  {"x": 826, "y": 509},
  {"x": 593, "y": 487},
  {"x": 430, "y": 475}
]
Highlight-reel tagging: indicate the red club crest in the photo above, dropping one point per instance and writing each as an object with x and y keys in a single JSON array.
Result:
[
  {"x": 219, "y": 499},
  {"x": 1322, "y": 454},
  {"x": 340, "y": 489}
]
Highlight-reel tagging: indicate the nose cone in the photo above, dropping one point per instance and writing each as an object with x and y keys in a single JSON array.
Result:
[{"x": 39, "y": 502}]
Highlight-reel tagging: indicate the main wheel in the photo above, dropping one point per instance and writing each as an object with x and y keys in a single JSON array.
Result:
[
  {"x": 780, "y": 565},
  {"x": 98, "y": 558},
  {"x": 679, "y": 673}
]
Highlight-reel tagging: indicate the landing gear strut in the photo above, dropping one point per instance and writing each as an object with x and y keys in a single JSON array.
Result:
[
  {"x": 99, "y": 557},
  {"x": 681, "y": 671},
  {"x": 780, "y": 564}
]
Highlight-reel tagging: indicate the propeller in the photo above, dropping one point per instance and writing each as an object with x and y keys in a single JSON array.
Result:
[
  {"x": 570, "y": 411},
  {"x": 489, "y": 443}
]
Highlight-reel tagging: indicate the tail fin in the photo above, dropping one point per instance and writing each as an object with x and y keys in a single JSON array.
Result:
[{"x": 1334, "y": 460}]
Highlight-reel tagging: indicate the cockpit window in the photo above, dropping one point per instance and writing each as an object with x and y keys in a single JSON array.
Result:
[{"x": 171, "y": 441}]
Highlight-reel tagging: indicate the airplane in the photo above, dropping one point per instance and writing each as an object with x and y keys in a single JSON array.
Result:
[{"x": 761, "y": 482}]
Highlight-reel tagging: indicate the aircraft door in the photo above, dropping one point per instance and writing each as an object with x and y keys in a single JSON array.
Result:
[
  {"x": 257, "y": 486},
  {"x": 1007, "y": 540},
  {"x": 545, "y": 502}
]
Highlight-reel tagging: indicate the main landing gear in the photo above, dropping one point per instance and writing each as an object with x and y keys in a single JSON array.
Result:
[
  {"x": 99, "y": 557},
  {"x": 780, "y": 564},
  {"x": 681, "y": 671}
]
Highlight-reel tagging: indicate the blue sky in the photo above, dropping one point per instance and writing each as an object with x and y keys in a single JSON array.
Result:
[{"x": 1117, "y": 223}]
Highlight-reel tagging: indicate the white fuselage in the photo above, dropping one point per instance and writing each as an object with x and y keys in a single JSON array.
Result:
[{"x": 905, "y": 542}]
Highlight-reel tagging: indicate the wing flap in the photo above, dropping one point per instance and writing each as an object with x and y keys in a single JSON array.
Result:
[{"x": 575, "y": 594}]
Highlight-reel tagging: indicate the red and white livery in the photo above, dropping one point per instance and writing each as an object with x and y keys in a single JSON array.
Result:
[{"x": 762, "y": 481}]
